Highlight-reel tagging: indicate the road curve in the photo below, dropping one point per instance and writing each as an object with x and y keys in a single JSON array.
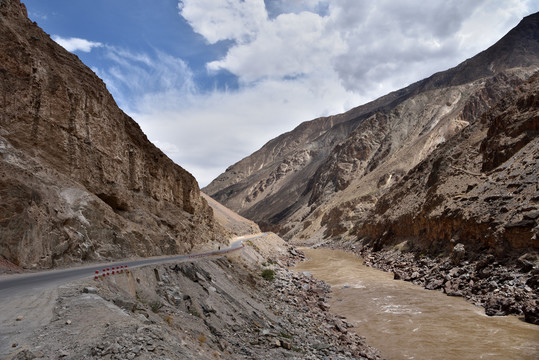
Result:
[{"x": 17, "y": 284}]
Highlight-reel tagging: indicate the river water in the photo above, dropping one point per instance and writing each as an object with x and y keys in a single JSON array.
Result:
[{"x": 405, "y": 321}]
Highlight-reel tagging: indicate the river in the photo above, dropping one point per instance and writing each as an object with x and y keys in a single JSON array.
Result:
[{"x": 405, "y": 321}]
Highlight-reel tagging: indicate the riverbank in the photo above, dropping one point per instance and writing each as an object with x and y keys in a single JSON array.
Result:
[
  {"x": 510, "y": 288},
  {"x": 405, "y": 321},
  {"x": 304, "y": 301}
]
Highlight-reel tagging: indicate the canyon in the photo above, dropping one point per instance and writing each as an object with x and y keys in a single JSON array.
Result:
[
  {"x": 436, "y": 183},
  {"x": 80, "y": 184},
  {"x": 443, "y": 171}
]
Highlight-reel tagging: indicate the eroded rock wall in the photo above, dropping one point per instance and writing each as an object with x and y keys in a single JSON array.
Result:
[
  {"x": 479, "y": 189},
  {"x": 78, "y": 177}
]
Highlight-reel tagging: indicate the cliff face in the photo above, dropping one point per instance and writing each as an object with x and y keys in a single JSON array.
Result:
[
  {"x": 338, "y": 177},
  {"x": 78, "y": 178}
]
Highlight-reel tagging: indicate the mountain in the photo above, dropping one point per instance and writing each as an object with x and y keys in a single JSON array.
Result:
[
  {"x": 348, "y": 175},
  {"x": 79, "y": 180},
  {"x": 478, "y": 188}
]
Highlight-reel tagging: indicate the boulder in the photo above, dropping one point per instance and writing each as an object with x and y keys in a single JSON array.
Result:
[
  {"x": 458, "y": 253},
  {"x": 531, "y": 312},
  {"x": 434, "y": 284},
  {"x": 286, "y": 344},
  {"x": 89, "y": 290},
  {"x": 527, "y": 262}
]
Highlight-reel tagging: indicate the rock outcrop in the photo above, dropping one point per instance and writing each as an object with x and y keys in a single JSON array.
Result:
[
  {"x": 350, "y": 175},
  {"x": 79, "y": 180},
  {"x": 479, "y": 188}
]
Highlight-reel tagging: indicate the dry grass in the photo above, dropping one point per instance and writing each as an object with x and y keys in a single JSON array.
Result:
[{"x": 201, "y": 339}]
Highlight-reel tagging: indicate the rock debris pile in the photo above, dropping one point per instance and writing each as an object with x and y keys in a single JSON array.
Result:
[
  {"x": 220, "y": 308},
  {"x": 303, "y": 301}
]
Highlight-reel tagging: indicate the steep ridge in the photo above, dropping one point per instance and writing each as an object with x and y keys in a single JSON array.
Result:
[
  {"x": 79, "y": 180},
  {"x": 479, "y": 189},
  {"x": 326, "y": 176},
  {"x": 408, "y": 146}
]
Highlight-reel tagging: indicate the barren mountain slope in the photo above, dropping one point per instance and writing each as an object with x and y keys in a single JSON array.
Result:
[
  {"x": 318, "y": 180},
  {"x": 231, "y": 221},
  {"x": 332, "y": 214},
  {"x": 78, "y": 178},
  {"x": 479, "y": 189}
]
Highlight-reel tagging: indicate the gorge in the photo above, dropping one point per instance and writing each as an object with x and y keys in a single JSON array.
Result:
[
  {"x": 435, "y": 183},
  {"x": 442, "y": 173}
]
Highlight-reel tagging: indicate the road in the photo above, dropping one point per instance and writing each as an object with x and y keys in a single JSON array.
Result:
[
  {"x": 27, "y": 301},
  {"x": 19, "y": 284}
]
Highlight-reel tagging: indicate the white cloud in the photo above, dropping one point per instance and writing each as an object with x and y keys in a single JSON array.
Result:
[
  {"x": 295, "y": 60},
  {"x": 498, "y": 17},
  {"x": 291, "y": 45},
  {"x": 392, "y": 44},
  {"x": 224, "y": 19},
  {"x": 137, "y": 77},
  {"x": 212, "y": 131},
  {"x": 76, "y": 44},
  {"x": 373, "y": 47}
]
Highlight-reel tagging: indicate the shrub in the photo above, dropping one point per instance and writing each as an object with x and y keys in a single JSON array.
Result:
[
  {"x": 268, "y": 274},
  {"x": 285, "y": 335},
  {"x": 194, "y": 312},
  {"x": 155, "y": 306}
]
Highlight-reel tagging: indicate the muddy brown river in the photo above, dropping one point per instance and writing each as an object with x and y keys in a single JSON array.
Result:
[{"x": 405, "y": 321}]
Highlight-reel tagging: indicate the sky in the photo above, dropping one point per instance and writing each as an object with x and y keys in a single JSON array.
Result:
[{"x": 211, "y": 81}]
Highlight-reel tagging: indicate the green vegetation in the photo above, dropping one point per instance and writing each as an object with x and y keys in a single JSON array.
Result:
[
  {"x": 269, "y": 262},
  {"x": 251, "y": 244},
  {"x": 268, "y": 274},
  {"x": 155, "y": 306},
  {"x": 194, "y": 312}
]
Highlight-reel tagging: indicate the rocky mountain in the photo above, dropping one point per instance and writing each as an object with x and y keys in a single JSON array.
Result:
[
  {"x": 480, "y": 188},
  {"x": 79, "y": 180},
  {"x": 439, "y": 160}
]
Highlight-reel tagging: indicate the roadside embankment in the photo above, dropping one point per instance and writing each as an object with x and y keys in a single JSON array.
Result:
[{"x": 245, "y": 305}]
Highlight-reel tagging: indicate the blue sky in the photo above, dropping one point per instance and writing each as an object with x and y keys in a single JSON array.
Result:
[{"x": 211, "y": 81}]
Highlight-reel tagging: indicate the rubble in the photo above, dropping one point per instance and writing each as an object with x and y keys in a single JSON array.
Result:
[{"x": 220, "y": 308}]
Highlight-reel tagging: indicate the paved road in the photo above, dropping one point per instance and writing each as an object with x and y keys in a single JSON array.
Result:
[{"x": 18, "y": 284}]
